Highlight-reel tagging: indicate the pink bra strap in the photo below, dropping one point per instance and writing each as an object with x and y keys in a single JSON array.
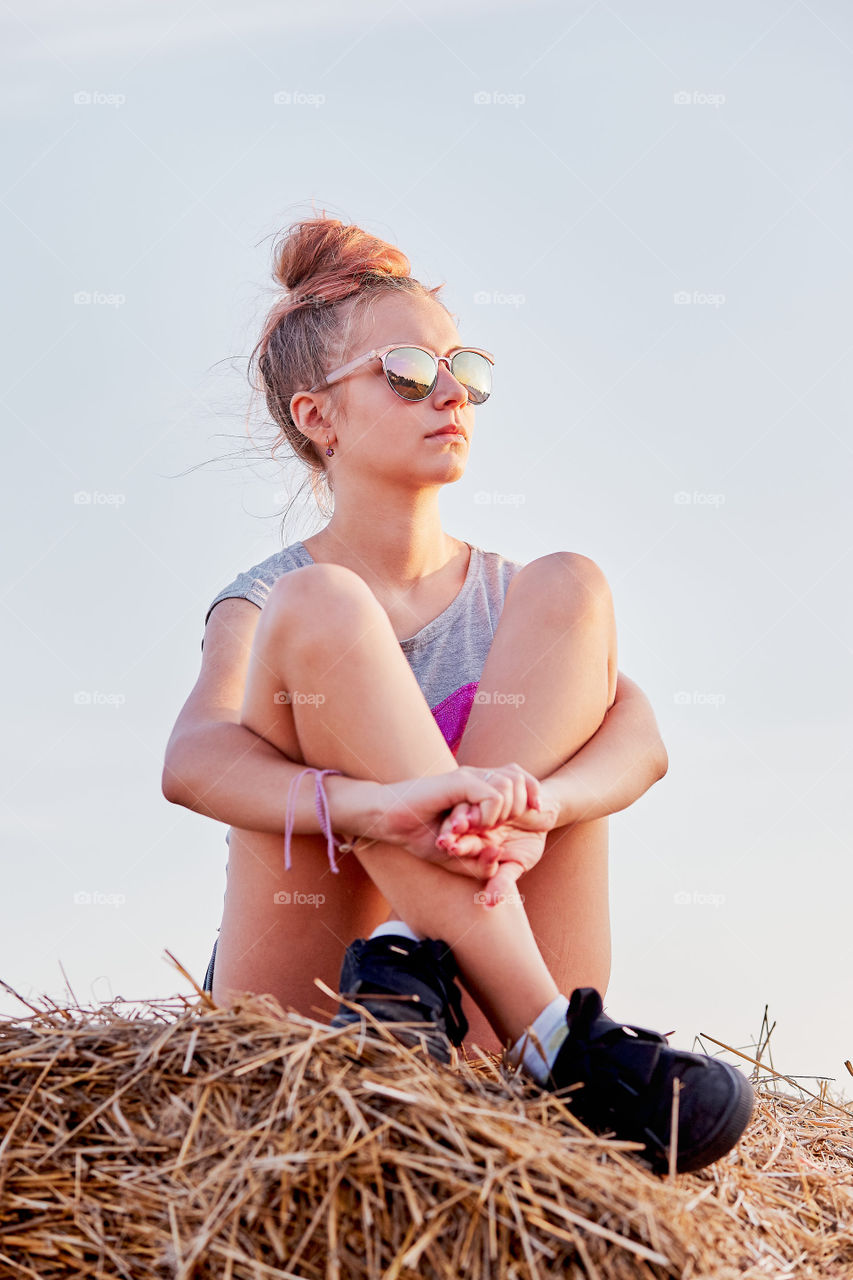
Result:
[{"x": 323, "y": 814}]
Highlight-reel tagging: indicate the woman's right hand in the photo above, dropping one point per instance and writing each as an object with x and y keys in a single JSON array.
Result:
[{"x": 411, "y": 813}]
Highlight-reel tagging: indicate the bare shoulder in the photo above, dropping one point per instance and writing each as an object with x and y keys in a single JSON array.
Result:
[
  {"x": 232, "y": 622},
  {"x": 218, "y": 691}
]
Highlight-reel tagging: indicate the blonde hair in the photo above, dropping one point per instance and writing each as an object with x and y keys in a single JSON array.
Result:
[{"x": 332, "y": 273}]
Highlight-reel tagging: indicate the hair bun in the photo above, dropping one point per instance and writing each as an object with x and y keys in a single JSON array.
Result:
[{"x": 324, "y": 260}]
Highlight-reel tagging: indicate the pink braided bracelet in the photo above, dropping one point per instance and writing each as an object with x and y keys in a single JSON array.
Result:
[{"x": 323, "y": 813}]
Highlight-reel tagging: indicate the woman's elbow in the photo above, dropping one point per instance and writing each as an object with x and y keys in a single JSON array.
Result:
[
  {"x": 173, "y": 779},
  {"x": 170, "y": 785}
]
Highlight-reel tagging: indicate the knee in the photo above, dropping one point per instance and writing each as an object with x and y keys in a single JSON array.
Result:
[
  {"x": 322, "y": 597},
  {"x": 562, "y": 582}
]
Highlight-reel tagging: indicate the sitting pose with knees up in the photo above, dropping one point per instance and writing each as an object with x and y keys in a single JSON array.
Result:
[{"x": 415, "y": 742}]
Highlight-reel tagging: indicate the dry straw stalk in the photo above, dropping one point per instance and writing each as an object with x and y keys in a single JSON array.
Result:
[{"x": 188, "y": 1141}]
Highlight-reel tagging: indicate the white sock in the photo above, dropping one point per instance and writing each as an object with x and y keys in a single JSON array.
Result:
[
  {"x": 395, "y": 926},
  {"x": 551, "y": 1029}
]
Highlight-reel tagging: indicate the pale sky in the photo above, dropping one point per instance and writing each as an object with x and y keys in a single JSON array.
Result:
[{"x": 644, "y": 212}]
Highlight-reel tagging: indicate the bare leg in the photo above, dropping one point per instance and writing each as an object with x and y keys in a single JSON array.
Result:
[
  {"x": 323, "y": 635},
  {"x": 547, "y": 649},
  {"x": 397, "y": 737}
]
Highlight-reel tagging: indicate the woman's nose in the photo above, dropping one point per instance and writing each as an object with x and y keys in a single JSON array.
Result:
[{"x": 446, "y": 384}]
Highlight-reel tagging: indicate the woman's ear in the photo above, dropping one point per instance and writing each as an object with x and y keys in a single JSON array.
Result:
[{"x": 307, "y": 417}]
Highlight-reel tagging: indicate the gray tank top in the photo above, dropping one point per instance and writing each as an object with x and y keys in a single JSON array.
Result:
[{"x": 447, "y": 655}]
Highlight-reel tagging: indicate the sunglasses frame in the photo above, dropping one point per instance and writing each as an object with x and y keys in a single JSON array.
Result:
[{"x": 382, "y": 354}]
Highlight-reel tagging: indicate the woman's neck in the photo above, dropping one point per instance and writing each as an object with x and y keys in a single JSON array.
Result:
[{"x": 380, "y": 553}]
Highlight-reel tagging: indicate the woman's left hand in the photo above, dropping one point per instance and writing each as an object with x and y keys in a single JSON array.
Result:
[{"x": 504, "y": 851}]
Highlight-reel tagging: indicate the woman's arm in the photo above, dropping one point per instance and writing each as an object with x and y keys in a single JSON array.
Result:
[
  {"x": 621, "y": 760},
  {"x": 225, "y": 771},
  {"x": 218, "y": 767}
]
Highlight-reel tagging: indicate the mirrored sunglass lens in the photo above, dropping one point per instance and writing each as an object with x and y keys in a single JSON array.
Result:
[
  {"x": 411, "y": 372},
  {"x": 475, "y": 374}
]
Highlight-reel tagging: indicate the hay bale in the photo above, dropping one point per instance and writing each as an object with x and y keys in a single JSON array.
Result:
[{"x": 189, "y": 1141}]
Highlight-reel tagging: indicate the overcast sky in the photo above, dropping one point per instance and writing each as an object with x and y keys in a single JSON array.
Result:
[{"x": 644, "y": 212}]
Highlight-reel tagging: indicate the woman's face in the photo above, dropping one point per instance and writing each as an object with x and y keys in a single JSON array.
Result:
[{"x": 384, "y": 435}]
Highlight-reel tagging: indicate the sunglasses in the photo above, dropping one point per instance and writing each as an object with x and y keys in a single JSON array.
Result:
[{"x": 412, "y": 372}]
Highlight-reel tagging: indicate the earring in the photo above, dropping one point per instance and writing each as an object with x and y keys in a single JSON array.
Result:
[{"x": 329, "y": 452}]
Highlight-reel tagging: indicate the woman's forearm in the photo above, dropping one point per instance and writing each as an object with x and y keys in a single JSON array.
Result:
[
  {"x": 622, "y": 759},
  {"x": 226, "y": 772}
]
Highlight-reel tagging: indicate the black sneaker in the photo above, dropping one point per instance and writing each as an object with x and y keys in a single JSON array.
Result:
[
  {"x": 400, "y": 980},
  {"x": 627, "y": 1075}
]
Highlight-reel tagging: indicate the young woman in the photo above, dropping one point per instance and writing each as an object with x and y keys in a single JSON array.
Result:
[{"x": 457, "y": 717}]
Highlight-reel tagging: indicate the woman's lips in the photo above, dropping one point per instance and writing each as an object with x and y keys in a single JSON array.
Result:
[{"x": 449, "y": 433}]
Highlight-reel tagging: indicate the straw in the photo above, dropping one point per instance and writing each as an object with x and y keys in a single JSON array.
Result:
[{"x": 179, "y": 1139}]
